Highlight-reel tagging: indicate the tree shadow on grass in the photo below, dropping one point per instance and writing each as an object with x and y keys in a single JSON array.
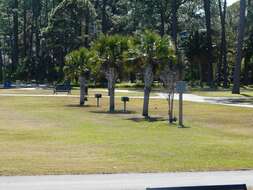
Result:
[
  {"x": 149, "y": 119},
  {"x": 115, "y": 112},
  {"x": 78, "y": 106},
  {"x": 155, "y": 119},
  {"x": 177, "y": 126},
  {"x": 246, "y": 95}
]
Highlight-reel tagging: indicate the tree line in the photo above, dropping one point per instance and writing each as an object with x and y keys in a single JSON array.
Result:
[{"x": 213, "y": 43}]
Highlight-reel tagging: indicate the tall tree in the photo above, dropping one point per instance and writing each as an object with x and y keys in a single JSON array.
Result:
[
  {"x": 68, "y": 29},
  {"x": 15, "y": 55},
  {"x": 207, "y": 7},
  {"x": 174, "y": 22},
  {"x": 174, "y": 28},
  {"x": 240, "y": 40},
  {"x": 1, "y": 65},
  {"x": 24, "y": 28},
  {"x": 223, "y": 65},
  {"x": 248, "y": 44},
  {"x": 104, "y": 17}
]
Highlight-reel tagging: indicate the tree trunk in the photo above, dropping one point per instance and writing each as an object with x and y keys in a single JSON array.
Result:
[
  {"x": 248, "y": 53},
  {"x": 147, "y": 91},
  {"x": 46, "y": 12},
  {"x": 104, "y": 17},
  {"x": 237, "y": 71},
  {"x": 222, "y": 66},
  {"x": 148, "y": 79},
  {"x": 87, "y": 23},
  {"x": 111, "y": 76},
  {"x": 168, "y": 77},
  {"x": 25, "y": 28},
  {"x": 174, "y": 28},
  {"x": 1, "y": 65},
  {"x": 162, "y": 17},
  {"x": 15, "y": 55},
  {"x": 207, "y": 7},
  {"x": 246, "y": 70},
  {"x": 224, "y": 36},
  {"x": 82, "y": 81},
  {"x": 31, "y": 38},
  {"x": 220, "y": 62},
  {"x": 37, "y": 38},
  {"x": 112, "y": 99},
  {"x": 174, "y": 23}
]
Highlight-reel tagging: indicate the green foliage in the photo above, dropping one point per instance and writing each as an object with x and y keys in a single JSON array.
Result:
[
  {"x": 65, "y": 31},
  {"x": 150, "y": 48},
  {"x": 110, "y": 51},
  {"x": 47, "y": 30},
  {"x": 80, "y": 62}
]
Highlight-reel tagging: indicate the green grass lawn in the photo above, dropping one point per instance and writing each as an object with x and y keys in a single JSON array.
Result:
[{"x": 52, "y": 135}]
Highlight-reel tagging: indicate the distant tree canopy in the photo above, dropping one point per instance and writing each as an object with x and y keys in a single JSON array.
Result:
[{"x": 36, "y": 35}]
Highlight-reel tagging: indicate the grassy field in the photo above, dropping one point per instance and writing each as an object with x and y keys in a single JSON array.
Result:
[{"x": 53, "y": 135}]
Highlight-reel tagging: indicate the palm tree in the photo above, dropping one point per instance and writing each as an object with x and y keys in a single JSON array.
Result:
[
  {"x": 110, "y": 52},
  {"x": 77, "y": 66},
  {"x": 237, "y": 72},
  {"x": 148, "y": 51}
]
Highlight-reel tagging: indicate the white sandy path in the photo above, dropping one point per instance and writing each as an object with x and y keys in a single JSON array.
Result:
[{"x": 227, "y": 101}]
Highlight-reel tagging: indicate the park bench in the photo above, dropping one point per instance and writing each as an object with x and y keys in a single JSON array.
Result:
[
  {"x": 218, "y": 187},
  {"x": 7, "y": 85},
  {"x": 62, "y": 88}
]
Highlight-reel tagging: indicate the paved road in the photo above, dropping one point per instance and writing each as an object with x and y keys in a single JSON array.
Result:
[{"x": 125, "y": 181}]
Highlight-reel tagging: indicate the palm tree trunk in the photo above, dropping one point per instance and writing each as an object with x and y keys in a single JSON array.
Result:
[
  {"x": 82, "y": 90},
  {"x": 111, "y": 77},
  {"x": 148, "y": 79},
  {"x": 112, "y": 99},
  {"x": 146, "y": 102},
  {"x": 237, "y": 72}
]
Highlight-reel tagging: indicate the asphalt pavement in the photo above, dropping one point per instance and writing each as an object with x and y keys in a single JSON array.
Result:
[{"x": 125, "y": 181}]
